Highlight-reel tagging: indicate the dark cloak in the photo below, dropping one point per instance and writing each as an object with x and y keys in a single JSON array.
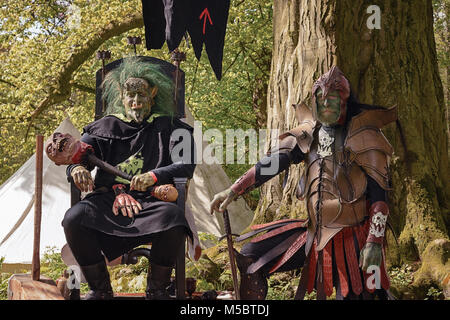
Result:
[{"x": 115, "y": 141}]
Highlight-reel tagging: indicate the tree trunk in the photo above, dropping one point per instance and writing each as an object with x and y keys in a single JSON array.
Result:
[{"x": 395, "y": 64}]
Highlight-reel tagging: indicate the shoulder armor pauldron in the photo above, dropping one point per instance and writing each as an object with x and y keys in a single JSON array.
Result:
[
  {"x": 303, "y": 133},
  {"x": 367, "y": 146}
]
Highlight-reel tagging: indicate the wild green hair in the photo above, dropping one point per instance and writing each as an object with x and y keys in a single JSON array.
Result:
[{"x": 137, "y": 68}]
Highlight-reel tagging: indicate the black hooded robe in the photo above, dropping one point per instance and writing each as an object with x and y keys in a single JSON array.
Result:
[{"x": 149, "y": 146}]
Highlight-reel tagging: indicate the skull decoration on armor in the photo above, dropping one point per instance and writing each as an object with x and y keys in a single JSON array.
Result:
[
  {"x": 325, "y": 143},
  {"x": 378, "y": 224}
]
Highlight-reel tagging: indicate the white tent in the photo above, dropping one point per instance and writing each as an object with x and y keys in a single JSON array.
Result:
[
  {"x": 208, "y": 180},
  {"x": 17, "y": 216},
  {"x": 17, "y": 198}
]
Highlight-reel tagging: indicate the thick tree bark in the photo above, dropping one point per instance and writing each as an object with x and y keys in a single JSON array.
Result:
[{"x": 396, "y": 64}]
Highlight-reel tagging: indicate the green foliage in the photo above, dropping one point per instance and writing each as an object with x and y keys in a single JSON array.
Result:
[
  {"x": 239, "y": 99},
  {"x": 129, "y": 278},
  {"x": 35, "y": 43},
  {"x": 3, "y": 282},
  {"x": 52, "y": 264},
  {"x": 210, "y": 275},
  {"x": 246, "y": 65},
  {"x": 282, "y": 286},
  {"x": 441, "y": 10},
  {"x": 401, "y": 276},
  {"x": 4, "y": 277},
  {"x": 434, "y": 294},
  {"x": 252, "y": 198},
  {"x": 208, "y": 239}
]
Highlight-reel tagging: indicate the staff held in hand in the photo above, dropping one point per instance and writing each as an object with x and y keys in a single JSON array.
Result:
[{"x": 64, "y": 149}]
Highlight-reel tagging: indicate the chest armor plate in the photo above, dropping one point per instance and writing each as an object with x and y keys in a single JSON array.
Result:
[{"x": 334, "y": 190}]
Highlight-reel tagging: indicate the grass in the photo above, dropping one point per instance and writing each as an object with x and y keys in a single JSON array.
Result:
[{"x": 212, "y": 275}]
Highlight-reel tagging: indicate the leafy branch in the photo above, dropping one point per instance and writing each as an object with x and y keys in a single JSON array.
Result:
[{"x": 61, "y": 90}]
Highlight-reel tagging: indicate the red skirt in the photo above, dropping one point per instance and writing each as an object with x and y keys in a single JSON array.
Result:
[
  {"x": 319, "y": 266},
  {"x": 336, "y": 265}
]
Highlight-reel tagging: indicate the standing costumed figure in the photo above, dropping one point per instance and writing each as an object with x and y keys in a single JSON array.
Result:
[
  {"x": 136, "y": 136},
  {"x": 344, "y": 184}
]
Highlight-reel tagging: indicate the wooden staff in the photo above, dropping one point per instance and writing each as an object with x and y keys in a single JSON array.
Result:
[
  {"x": 36, "y": 263},
  {"x": 92, "y": 159},
  {"x": 169, "y": 193},
  {"x": 229, "y": 235}
]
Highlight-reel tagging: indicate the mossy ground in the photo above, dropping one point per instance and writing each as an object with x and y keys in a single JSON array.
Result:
[{"x": 212, "y": 271}]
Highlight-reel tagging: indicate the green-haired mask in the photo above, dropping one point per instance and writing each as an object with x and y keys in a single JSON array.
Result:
[
  {"x": 138, "y": 99},
  {"x": 137, "y": 89}
]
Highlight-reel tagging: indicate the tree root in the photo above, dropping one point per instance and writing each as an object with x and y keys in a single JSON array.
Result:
[{"x": 435, "y": 268}]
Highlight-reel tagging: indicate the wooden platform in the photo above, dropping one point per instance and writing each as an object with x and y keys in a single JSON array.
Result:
[{"x": 22, "y": 287}]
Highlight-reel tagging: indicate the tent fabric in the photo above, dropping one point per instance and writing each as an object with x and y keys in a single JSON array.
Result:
[
  {"x": 17, "y": 198},
  {"x": 208, "y": 180}
]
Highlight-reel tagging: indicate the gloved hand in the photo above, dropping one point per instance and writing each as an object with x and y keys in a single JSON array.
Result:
[
  {"x": 82, "y": 179},
  {"x": 371, "y": 254},
  {"x": 142, "y": 181},
  {"x": 125, "y": 202},
  {"x": 221, "y": 200}
]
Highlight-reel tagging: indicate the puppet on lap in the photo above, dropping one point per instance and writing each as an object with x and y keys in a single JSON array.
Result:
[
  {"x": 117, "y": 216},
  {"x": 344, "y": 185}
]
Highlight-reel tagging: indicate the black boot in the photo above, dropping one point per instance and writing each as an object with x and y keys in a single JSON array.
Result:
[
  {"x": 253, "y": 286},
  {"x": 157, "y": 282},
  {"x": 97, "y": 277}
]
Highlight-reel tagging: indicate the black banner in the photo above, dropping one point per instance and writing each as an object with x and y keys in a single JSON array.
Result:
[{"x": 204, "y": 20}]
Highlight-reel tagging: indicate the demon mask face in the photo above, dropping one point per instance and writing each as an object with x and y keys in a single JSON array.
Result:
[
  {"x": 328, "y": 107},
  {"x": 330, "y": 95},
  {"x": 61, "y": 148},
  {"x": 138, "y": 99}
]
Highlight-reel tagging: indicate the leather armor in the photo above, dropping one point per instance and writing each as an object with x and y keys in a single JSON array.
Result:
[
  {"x": 338, "y": 161},
  {"x": 334, "y": 184}
]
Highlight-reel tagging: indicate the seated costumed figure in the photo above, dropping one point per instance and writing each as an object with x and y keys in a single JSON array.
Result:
[
  {"x": 136, "y": 137},
  {"x": 344, "y": 185}
]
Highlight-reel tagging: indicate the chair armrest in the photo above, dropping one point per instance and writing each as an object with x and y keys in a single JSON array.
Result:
[
  {"x": 75, "y": 193},
  {"x": 180, "y": 269},
  {"x": 181, "y": 186}
]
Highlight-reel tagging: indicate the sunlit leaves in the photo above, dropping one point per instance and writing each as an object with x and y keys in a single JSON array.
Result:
[
  {"x": 35, "y": 43},
  {"x": 247, "y": 54}
]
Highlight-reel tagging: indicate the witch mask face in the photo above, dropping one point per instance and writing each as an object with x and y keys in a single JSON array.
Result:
[
  {"x": 61, "y": 148},
  {"x": 138, "y": 99}
]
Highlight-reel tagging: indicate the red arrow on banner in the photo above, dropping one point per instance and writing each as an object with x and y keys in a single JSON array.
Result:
[{"x": 206, "y": 14}]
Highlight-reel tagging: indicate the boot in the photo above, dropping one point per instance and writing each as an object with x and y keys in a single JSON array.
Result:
[
  {"x": 253, "y": 286},
  {"x": 157, "y": 282},
  {"x": 97, "y": 277}
]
